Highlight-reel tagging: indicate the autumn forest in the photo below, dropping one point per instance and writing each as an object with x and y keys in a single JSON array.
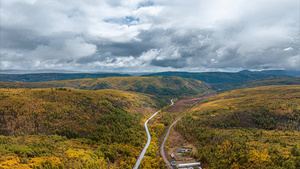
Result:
[{"x": 99, "y": 122}]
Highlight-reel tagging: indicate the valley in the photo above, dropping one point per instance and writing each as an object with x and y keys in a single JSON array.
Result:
[{"x": 99, "y": 123}]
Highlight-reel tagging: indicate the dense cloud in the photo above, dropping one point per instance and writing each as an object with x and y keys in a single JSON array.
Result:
[{"x": 137, "y": 35}]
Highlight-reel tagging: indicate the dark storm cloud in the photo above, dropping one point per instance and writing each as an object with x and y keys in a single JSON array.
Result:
[
  {"x": 125, "y": 49},
  {"x": 89, "y": 59},
  {"x": 21, "y": 39},
  {"x": 178, "y": 63}
]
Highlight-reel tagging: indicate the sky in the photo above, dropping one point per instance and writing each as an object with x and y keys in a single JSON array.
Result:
[{"x": 149, "y": 36}]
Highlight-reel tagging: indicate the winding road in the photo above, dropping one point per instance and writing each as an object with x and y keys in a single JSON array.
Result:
[
  {"x": 139, "y": 160},
  {"x": 162, "y": 145},
  {"x": 172, "y": 103}
]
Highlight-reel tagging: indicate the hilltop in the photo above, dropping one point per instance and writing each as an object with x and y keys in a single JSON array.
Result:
[
  {"x": 220, "y": 77},
  {"x": 44, "y": 77},
  {"x": 268, "y": 82},
  {"x": 282, "y": 72},
  {"x": 222, "y": 81}
]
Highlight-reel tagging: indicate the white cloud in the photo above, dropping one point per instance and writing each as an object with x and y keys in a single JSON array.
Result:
[
  {"x": 288, "y": 49},
  {"x": 149, "y": 55}
]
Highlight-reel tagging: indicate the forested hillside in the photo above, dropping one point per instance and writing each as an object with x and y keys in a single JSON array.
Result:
[
  {"x": 222, "y": 81},
  {"x": 165, "y": 86},
  {"x": 105, "y": 127},
  {"x": 219, "y": 77},
  {"x": 269, "y": 82},
  {"x": 43, "y": 77},
  {"x": 256, "y": 83},
  {"x": 100, "y": 125},
  {"x": 294, "y": 73},
  {"x": 248, "y": 128}
]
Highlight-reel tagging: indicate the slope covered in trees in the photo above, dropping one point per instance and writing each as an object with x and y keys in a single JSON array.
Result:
[
  {"x": 43, "y": 77},
  {"x": 40, "y": 124},
  {"x": 282, "y": 72},
  {"x": 222, "y": 81},
  {"x": 269, "y": 82},
  {"x": 219, "y": 77},
  {"x": 165, "y": 86},
  {"x": 248, "y": 128},
  {"x": 99, "y": 126},
  {"x": 256, "y": 83},
  {"x": 72, "y": 113}
]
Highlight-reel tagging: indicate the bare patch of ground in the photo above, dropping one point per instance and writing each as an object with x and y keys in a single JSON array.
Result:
[
  {"x": 178, "y": 142},
  {"x": 175, "y": 140},
  {"x": 185, "y": 104}
]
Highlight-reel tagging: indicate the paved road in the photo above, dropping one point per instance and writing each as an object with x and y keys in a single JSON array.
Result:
[
  {"x": 139, "y": 160},
  {"x": 162, "y": 145},
  {"x": 137, "y": 164}
]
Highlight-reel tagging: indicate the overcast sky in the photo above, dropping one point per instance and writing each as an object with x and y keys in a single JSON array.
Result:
[{"x": 159, "y": 35}]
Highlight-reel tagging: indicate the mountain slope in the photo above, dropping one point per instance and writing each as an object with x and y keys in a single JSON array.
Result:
[
  {"x": 256, "y": 83},
  {"x": 269, "y": 82},
  {"x": 72, "y": 128},
  {"x": 219, "y": 77},
  {"x": 282, "y": 72},
  {"x": 164, "y": 86},
  {"x": 72, "y": 113},
  {"x": 248, "y": 128}
]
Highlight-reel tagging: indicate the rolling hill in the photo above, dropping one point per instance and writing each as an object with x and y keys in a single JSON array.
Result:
[
  {"x": 268, "y": 82},
  {"x": 72, "y": 128},
  {"x": 256, "y": 83},
  {"x": 163, "y": 86},
  {"x": 219, "y": 77},
  {"x": 43, "y": 77},
  {"x": 282, "y": 72},
  {"x": 248, "y": 128}
]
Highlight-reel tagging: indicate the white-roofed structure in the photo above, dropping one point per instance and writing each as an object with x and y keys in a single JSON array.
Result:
[{"x": 188, "y": 165}]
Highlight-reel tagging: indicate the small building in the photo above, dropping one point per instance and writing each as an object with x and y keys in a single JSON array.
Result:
[
  {"x": 173, "y": 163},
  {"x": 182, "y": 151},
  {"x": 188, "y": 165},
  {"x": 172, "y": 156},
  {"x": 187, "y": 148}
]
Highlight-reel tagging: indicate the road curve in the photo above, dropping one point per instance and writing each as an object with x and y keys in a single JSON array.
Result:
[
  {"x": 162, "y": 145},
  {"x": 139, "y": 160}
]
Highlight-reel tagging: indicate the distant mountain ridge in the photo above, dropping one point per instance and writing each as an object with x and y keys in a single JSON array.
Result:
[
  {"x": 220, "y": 77},
  {"x": 158, "y": 86},
  {"x": 267, "y": 82},
  {"x": 18, "y": 71},
  {"x": 43, "y": 77},
  {"x": 281, "y": 72}
]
